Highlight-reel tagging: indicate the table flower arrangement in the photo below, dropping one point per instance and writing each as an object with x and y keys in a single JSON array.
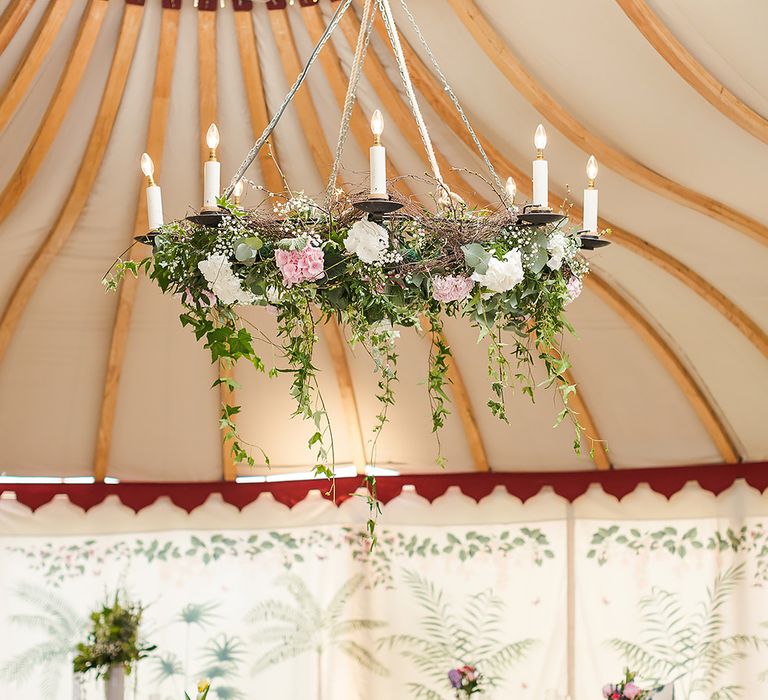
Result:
[
  {"x": 625, "y": 689},
  {"x": 113, "y": 646},
  {"x": 466, "y": 681}
]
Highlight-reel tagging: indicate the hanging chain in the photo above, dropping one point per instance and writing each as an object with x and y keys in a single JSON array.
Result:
[
  {"x": 363, "y": 39},
  {"x": 273, "y": 122},
  {"x": 453, "y": 97},
  {"x": 394, "y": 39}
]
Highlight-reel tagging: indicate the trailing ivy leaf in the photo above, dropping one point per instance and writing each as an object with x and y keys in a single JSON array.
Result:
[{"x": 230, "y": 383}]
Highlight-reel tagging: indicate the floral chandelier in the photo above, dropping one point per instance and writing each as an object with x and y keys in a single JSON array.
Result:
[{"x": 373, "y": 260}]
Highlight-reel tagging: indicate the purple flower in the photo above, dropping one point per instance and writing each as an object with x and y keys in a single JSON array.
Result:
[
  {"x": 631, "y": 691},
  {"x": 608, "y": 690},
  {"x": 454, "y": 676}
]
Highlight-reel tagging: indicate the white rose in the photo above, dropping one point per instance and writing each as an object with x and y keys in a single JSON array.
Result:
[
  {"x": 502, "y": 275},
  {"x": 367, "y": 240},
  {"x": 557, "y": 247}
]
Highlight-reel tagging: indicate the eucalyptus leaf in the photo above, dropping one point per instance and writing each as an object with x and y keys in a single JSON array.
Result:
[
  {"x": 539, "y": 260},
  {"x": 476, "y": 257},
  {"x": 298, "y": 243}
]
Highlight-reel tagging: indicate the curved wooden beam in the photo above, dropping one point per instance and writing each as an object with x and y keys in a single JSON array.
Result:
[
  {"x": 321, "y": 155},
  {"x": 509, "y": 65},
  {"x": 698, "y": 399},
  {"x": 597, "y": 447},
  {"x": 305, "y": 108},
  {"x": 577, "y": 402},
  {"x": 158, "y": 119},
  {"x": 465, "y": 413},
  {"x": 58, "y": 107},
  {"x": 338, "y": 80},
  {"x": 208, "y": 96},
  {"x": 45, "y": 34},
  {"x": 690, "y": 70},
  {"x": 257, "y": 104},
  {"x": 428, "y": 85},
  {"x": 207, "y": 64},
  {"x": 81, "y": 189},
  {"x": 337, "y": 344},
  {"x": 11, "y": 19}
]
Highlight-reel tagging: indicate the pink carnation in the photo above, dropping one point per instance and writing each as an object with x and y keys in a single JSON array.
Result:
[
  {"x": 608, "y": 690},
  {"x": 573, "y": 289},
  {"x": 303, "y": 265},
  {"x": 631, "y": 691},
  {"x": 451, "y": 288}
]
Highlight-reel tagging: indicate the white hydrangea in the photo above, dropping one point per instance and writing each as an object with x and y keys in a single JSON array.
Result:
[
  {"x": 367, "y": 240},
  {"x": 559, "y": 248},
  {"x": 502, "y": 275},
  {"x": 223, "y": 282}
]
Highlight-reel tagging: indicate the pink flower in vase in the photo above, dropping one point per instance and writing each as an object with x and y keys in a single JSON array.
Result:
[{"x": 631, "y": 691}]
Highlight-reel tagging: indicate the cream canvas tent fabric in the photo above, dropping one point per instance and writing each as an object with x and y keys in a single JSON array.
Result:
[{"x": 670, "y": 358}]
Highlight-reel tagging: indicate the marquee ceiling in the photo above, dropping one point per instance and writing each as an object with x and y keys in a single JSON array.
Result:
[{"x": 670, "y": 96}]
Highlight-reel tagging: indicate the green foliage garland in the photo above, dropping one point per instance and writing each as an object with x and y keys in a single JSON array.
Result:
[{"x": 310, "y": 265}]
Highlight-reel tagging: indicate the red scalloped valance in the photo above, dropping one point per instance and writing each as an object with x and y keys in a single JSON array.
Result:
[{"x": 570, "y": 485}]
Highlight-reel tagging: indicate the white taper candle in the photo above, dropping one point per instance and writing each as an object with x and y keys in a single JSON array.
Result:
[
  {"x": 211, "y": 171},
  {"x": 540, "y": 170},
  {"x": 154, "y": 207},
  {"x": 541, "y": 184},
  {"x": 590, "y": 209},
  {"x": 590, "y": 197},
  {"x": 378, "y": 158},
  {"x": 378, "y": 171},
  {"x": 211, "y": 183},
  {"x": 154, "y": 197}
]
